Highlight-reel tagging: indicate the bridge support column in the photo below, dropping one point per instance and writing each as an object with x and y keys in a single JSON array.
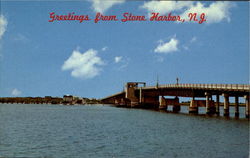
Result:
[
  {"x": 163, "y": 103},
  {"x": 207, "y": 103},
  {"x": 247, "y": 111},
  {"x": 193, "y": 107},
  {"x": 119, "y": 101},
  {"x": 141, "y": 97},
  {"x": 217, "y": 105},
  {"x": 116, "y": 102},
  {"x": 236, "y": 106},
  {"x": 134, "y": 103},
  {"x": 123, "y": 102},
  {"x": 226, "y": 104},
  {"x": 210, "y": 109},
  {"x": 176, "y": 106}
]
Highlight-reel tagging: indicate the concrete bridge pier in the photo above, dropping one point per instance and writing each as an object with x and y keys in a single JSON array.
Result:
[
  {"x": 226, "y": 104},
  {"x": 207, "y": 103},
  {"x": 116, "y": 101},
  {"x": 247, "y": 111},
  {"x": 134, "y": 103},
  {"x": 236, "y": 106},
  {"x": 163, "y": 103},
  {"x": 193, "y": 108},
  {"x": 210, "y": 109},
  {"x": 217, "y": 105},
  {"x": 176, "y": 105}
]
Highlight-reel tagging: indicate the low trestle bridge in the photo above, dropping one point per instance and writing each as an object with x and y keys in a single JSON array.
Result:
[{"x": 137, "y": 94}]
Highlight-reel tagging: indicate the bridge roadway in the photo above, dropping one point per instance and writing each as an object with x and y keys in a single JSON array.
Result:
[{"x": 144, "y": 96}]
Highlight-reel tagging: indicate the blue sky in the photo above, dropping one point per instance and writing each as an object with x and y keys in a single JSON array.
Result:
[{"x": 40, "y": 58}]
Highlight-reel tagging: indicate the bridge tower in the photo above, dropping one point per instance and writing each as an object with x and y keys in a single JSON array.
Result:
[{"x": 130, "y": 93}]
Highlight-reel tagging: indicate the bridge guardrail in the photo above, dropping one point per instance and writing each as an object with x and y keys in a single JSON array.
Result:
[{"x": 206, "y": 86}]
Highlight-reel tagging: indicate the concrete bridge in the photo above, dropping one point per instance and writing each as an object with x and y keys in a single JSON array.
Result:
[{"x": 137, "y": 94}]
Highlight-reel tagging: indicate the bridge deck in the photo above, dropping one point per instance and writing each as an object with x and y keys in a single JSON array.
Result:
[
  {"x": 114, "y": 95},
  {"x": 233, "y": 88}
]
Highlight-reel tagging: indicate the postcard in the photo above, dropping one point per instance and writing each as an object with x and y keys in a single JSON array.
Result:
[{"x": 124, "y": 78}]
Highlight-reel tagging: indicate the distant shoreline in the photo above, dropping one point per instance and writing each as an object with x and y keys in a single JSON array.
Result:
[{"x": 66, "y": 100}]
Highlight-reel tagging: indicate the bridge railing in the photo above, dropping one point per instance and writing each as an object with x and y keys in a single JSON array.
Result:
[{"x": 204, "y": 86}]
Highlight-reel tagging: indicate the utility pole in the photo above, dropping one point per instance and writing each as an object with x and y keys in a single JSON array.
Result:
[{"x": 157, "y": 81}]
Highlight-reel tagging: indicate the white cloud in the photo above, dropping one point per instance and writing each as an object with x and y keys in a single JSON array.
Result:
[
  {"x": 214, "y": 13},
  {"x": 118, "y": 59},
  {"x": 84, "y": 65},
  {"x": 104, "y": 48},
  {"x": 167, "y": 47},
  {"x": 121, "y": 63},
  {"x": 102, "y": 5},
  {"x": 164, "y": 7},
  {"x": 16, "y": 92},
  {"x": 3, "y": 25}
]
